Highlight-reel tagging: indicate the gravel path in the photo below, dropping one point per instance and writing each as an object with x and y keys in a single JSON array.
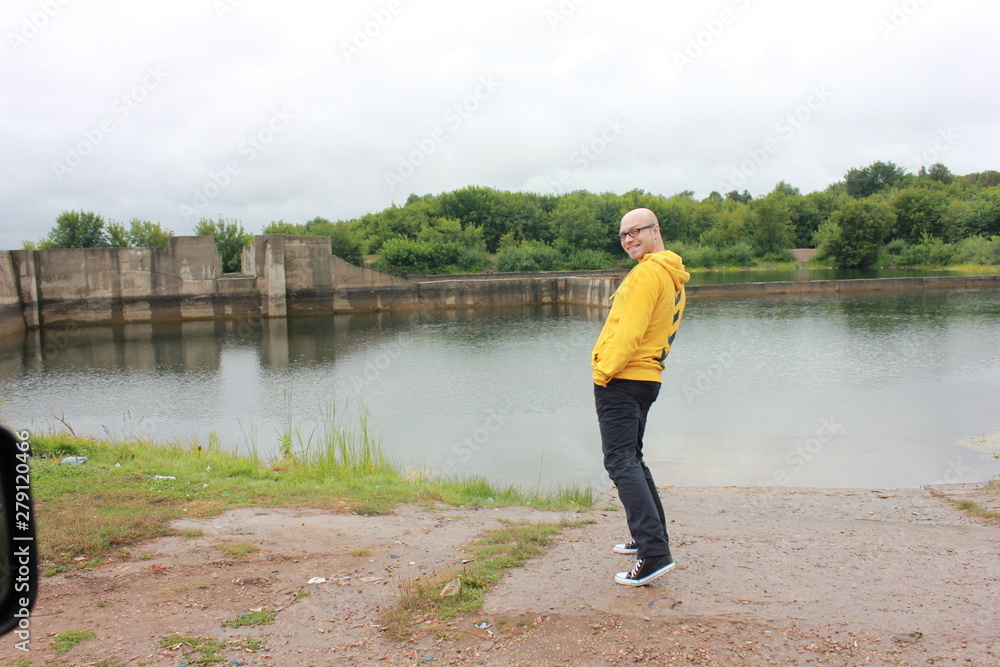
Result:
[{"x": 764, "y": 577}]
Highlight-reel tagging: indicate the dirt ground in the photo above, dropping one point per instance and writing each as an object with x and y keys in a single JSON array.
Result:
[{"x": 764, "y": 577}]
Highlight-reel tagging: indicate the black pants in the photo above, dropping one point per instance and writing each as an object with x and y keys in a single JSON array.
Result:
[{"x": 622, "y": 407}]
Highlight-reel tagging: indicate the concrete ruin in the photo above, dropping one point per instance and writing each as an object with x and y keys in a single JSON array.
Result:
[{"x": 285, "y": 275}]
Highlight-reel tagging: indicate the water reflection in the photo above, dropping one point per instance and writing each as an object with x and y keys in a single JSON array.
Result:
[{"x": 835, "y": 390}]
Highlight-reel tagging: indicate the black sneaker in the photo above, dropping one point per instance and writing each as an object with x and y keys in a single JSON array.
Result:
[
  {"x": 645, "y": 570},
  {"x": 626, "y": 548}
]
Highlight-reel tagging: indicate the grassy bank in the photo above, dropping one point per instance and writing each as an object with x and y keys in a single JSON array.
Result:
[{"x": 127, "y": 492}]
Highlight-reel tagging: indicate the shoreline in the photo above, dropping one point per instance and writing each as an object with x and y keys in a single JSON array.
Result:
[
  {"x": 834, "y": 576},
  {"x": 287, "y": 275}
]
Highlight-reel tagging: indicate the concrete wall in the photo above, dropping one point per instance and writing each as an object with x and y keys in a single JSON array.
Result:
[
  {"x": 845, "y": 286},
  {"x": 184, "y": 281},
  {"x": 298, "y": 274},
  {"x": 11, "y": 319}
]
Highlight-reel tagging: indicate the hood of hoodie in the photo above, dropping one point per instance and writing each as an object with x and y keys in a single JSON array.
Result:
[{"x": 672, "y": 263}]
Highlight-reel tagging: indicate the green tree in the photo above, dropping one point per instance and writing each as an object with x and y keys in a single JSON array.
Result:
[
  {"x": 805, "y": 216},
  {"x": 117, "y": 235},
  {"x": 529, "y": 214},
  {"x": 741, "y": 198},
  {"x": 874, "y": 178},
  {"x": 857, "y": 232},
  {"x": 140, "y": 234},
  {"x": 940, "y": 173},
  {"x": 146, "y": 234},
  {"x": 344, "y": 240},
  {"x": 806, "y": 219},
  {"x": 480, "y": 207},
  {"x": 733, "y": 226},
  {"x": 77, "y": 229},
  {"x": 678, "y": 218},
  {"x": 985, "y": 179},
  {"x": 230, "y": 239},
  {"x": 282, "y": 227},
  {"x": 785, "y": 189},
  {"x": 575, "y": 223},
  {"x": 919, "y": 213},
  {"x": 393, "y": 222},
  {"x": 772, "y": 230},
  {"x": 705, "y": 217},
  {"x": 979, "y": 215}
]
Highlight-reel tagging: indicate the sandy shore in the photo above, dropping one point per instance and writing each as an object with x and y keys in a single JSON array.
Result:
[{"x": 786, "y": 576}]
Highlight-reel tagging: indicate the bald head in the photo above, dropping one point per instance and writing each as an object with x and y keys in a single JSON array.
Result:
[
  {"x": 638, "y": 217},
  {"x": 647, "y": 239}
]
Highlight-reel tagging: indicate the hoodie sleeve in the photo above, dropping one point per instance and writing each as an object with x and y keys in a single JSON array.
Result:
[{"x": 627, "y": 323}]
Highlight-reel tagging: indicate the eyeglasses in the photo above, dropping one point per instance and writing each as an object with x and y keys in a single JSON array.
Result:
[{"x": 634, "y": 231}]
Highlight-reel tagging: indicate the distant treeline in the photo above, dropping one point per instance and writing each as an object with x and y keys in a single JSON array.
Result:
[{"x": 878, "y": 214}]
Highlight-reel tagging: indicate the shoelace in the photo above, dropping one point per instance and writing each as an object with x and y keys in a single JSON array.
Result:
[{"x": 635, "y": 570}]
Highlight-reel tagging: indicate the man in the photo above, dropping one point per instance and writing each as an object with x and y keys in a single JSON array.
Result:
[{"x": 627, "y": 361}]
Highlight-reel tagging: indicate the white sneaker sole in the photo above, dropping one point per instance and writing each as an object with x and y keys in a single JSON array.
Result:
[{"x": 622, "y": 577}]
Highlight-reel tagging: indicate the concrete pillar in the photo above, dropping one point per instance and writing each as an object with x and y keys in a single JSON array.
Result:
[
  {"x": 26, "y": 273},
  {"x": 273, "y": 303}
]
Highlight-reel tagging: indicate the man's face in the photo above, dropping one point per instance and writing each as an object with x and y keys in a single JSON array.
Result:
[{"x": 642, "y": 243}]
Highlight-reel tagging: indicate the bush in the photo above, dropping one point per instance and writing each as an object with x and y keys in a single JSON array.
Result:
[
  {"x": 401, "y": 255},
  {"x": 993, "y": 257},
  {"x": 695, "y": 255},
  {"x": 978, "y": 250},
  {"x": 587, "y": 260},
  {"x": 230, "y": 239},
  {"x": 707, "y": 256},
  {"x": 856, "y": 233},
  {"x": 896, "y": 251},
  {"x": 528, "y": 256},
  {"x": 931, "y": 252},
  {"x": 779, "y": 256},
  {"x": 471, "y": 260},
  {"x": 738, "y": 254},
  {"x": 408, "y": 256}
]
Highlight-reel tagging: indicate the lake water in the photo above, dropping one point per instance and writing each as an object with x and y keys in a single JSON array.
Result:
[
  {"x": 717, "y": 277},
  {"x": 864, "y": 390}
]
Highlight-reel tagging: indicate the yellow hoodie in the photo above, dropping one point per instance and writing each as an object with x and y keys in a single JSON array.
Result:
[{"x": 645, "y": 314}]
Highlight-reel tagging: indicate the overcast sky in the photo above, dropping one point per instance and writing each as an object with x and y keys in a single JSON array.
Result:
[{"x": 260, "y": 110}]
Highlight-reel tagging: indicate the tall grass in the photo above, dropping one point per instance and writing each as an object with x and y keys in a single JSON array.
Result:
[
  {"x": 130, "y": 491},
  {"x": 331, "y": 446},
  {"x": 343, "y": 448}
]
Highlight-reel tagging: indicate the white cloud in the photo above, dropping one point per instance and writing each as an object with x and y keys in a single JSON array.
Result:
[{"x": 700, "y": 90}]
